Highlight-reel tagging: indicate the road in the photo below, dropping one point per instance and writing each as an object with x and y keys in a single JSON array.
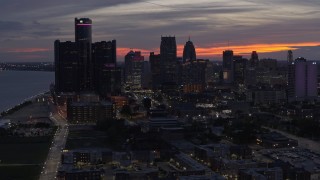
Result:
[
  {"x": 303, "y": 142},
  {"x": 51, "y": 165}
]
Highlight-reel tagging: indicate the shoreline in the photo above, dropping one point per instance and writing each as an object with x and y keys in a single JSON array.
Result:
[
  {"x": 29, "y": 70},
  {"x": 31, "y": 98}
]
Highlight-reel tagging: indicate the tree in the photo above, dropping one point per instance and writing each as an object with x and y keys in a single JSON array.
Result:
[
  {"x": 126, "y": 111},
  {"x": 146, "y": 103}
]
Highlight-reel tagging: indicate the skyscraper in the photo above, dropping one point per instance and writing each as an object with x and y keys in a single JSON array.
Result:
[
  {"x": 83, "y": 30},
  {"x": 189, "y": 52},
  {"x": 83, "y": 39},
  {"x": 66, "y": 59},
  {"x": 105, "y": 68},
  {"x": 194, "y": 75},
  {"x": 254, "y": 60},
  {"x": 239, "y": 69},
  {"x": 227, "y": 66},
  {"x": 128, "y": 65},
  {"x": 168, "y": 54},
  {"x": 83, "y": 66},
  {"x": 155, "y": 70},
  {"x": 302, "y": 80},
  {"x": 134, "y": 67},
  {"x": 290, "y": 56}
]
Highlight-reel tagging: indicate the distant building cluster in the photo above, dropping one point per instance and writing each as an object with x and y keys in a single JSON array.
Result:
[{"x": 27, "y": 66}]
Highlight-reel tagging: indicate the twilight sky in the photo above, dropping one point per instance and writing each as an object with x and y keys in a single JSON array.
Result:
[{"x": 271, "y": 27}]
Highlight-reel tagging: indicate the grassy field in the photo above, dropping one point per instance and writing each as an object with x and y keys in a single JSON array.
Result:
[
  {"x": 24, "y": 153},
  {"x": 24, "y": 172},
  {"x": 85, "y": 138},
  {"x": 22, "y": 158}
]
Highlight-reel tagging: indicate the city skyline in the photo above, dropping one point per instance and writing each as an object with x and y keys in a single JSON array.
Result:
[{"x": 270, "y": 28}]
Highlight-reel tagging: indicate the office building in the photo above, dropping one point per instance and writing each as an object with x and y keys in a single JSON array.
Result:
[
  {"x": 83, "y": 66},
  {"x": 154, "y": 60},
  {"x": 168, "y": 60},
  {"x": 209, "y": 74},
  {"x": 105, "y": 69},
  {"x": 227, "y": 65},
  {"x": 134, "y": 66},
  {"x": 290, "y": 56},
  {"x": 254, "y": 60},
  {"x": 128, "y": 66},
  {"x": 67, "y": 71},
  {"x": 189, "y": 52},
  {"x": 83, "y": 39},
  {"x": 302, "y": 80},
  {"x": 194, "y": 75},
  {"x": 239, "y": 69},
  {"x": 146, "y": 75}
]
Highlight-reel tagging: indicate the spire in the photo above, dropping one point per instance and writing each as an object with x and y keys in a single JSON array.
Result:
[{"x": 189, "y": 37}]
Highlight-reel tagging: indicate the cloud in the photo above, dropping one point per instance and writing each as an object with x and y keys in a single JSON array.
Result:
[
  {"x": 247, "y": 49},
  {"x": 216, "y": 51},
  {"x": 9, "y": 26},
  {"x": 140, "y": 23},
  {"x": 27, "y": 50}
]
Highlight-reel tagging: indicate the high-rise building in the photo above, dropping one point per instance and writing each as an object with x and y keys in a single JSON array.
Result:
[
  {"x": 155, "y": 70},
  {"x": 227, "y": 65},
  {"x": 189, "y": 52},
  {"x": 83, "y": 30},
  {"x": 250, "y": 76},
  {"x": 168, "y": 55},
  {"x": 105, "y": 74},
  {"x": 290, "y": 57},
  {"x": 67, "y": 71},
  {"x": 83, "y": 39},
  {"x": 128, "y": 65},
  {"x": 194, "y": 75},
  {"x": 254, "y": 60},
  {"x": 134, "y": 63},
  {"x": 302, "y": 80},
  {"x": 146, "y": 75},
  {"x": 239, "y": 69},
  {"x": 83, "y": 66},
  {"x": 210, "y": 74}
]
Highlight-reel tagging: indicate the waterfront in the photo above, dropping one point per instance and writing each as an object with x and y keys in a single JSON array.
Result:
[{"x": 16, "y": 86}]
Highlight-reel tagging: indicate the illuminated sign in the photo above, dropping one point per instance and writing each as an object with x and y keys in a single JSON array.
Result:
[{"x": 84, "y": 24}]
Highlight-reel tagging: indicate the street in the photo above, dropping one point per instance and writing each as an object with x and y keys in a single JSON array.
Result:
[
  {"x": 51, "y": 165},
  {"x": 303, "y": 142}
]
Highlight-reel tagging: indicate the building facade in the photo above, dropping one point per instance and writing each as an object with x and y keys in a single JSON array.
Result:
[
  {"x": 67, "y": 67},
  {"x": 302, "y": 80},
  {"x": 106, "y": 74},
  {"x": 154, "y": 60},
  {"x": 83, "y": 39},
  {"x": 168, "y": 58},
  {"x": 227, "y": 65},
  {"x": 189, "y": 52},
  {"x": 134, "y": 67},
  {"x": 82, "y": 66}
]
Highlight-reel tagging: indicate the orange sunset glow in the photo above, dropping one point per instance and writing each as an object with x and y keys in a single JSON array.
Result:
[{"x": 216, "y": 51}]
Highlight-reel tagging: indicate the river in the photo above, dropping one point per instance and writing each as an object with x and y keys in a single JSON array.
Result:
[{"x": 16, "y": 86}]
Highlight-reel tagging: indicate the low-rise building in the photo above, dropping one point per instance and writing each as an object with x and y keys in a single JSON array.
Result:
[
  {"x": 276, "y": 140},
  {"x": 261, "y": 174},
  {"x": 69, "y": 172},
  {"x": 90, "y": 112}
]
